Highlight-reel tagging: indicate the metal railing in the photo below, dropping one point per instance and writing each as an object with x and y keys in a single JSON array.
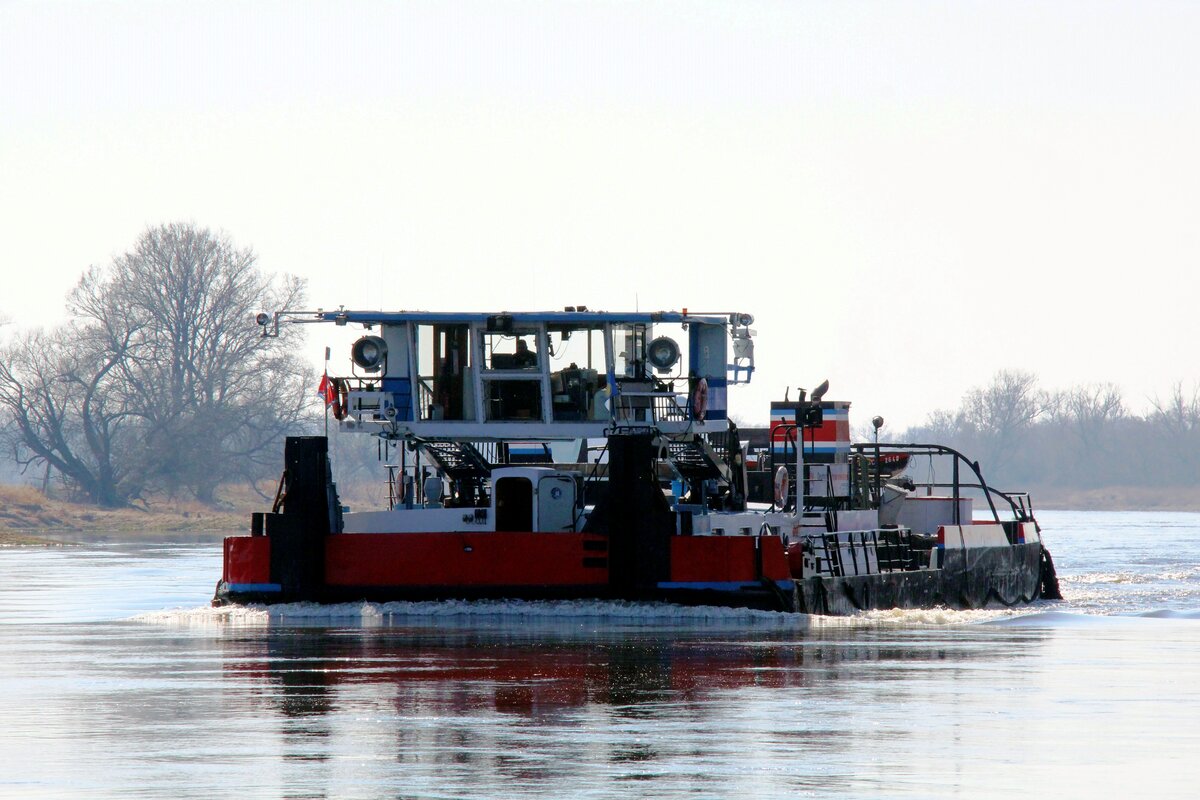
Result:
[
  {"x": 839, "y": 555},
  {"x": 650, "y": 407},
  {"x": 424, "y": 399},
  {"x": 1019, "y": 503},
  {"x": 785, "y": 436}
]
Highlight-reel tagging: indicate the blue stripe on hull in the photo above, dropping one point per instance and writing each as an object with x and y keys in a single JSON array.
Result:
[
  {"x": 720, "y": 586},
  {"x": 255, "y": 587}
]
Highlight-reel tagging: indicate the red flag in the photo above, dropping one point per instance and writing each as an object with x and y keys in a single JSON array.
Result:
[{"x": 326, "y": 390}]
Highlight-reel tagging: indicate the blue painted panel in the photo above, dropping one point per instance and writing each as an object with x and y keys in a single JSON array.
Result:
[
  {"x": 719, "y": 586},
  {"x": 255, "y": 587},
  {"x": 402, "y": 399}
]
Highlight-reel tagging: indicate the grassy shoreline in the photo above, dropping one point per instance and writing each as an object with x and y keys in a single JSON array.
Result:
[
  {"x": 28, "y": 517},
  {"x": 1119, "y": 498}
]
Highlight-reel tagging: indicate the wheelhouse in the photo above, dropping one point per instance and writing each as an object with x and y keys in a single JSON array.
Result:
[{"x": 536, "y": 375}]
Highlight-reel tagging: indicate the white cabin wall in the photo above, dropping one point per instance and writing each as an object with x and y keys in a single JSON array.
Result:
[{"x": 398, "y": 359}]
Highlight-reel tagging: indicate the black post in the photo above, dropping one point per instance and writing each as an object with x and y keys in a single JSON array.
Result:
[
  {"x": 878, "y": 474},
  {"x": 311, "y": 511},
  {"x": 637, "y": 516},
  {"x": 957, "y": 521}
]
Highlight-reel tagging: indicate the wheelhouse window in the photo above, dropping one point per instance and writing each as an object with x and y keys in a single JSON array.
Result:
[
  {"x": 444, "y": 372},
  {"x": 648, "y": 366},
  {"x": 512, "y": 350},
  {"x": 513, "y": 374},
  {"x": 578, "y": 384}
]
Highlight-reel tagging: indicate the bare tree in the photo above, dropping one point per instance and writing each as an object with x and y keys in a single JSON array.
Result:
[
  {"x": 162, "y": 379},
  {"x": 940, "y": 426},
  {"x": 1176, "y": 425},
  {"x": 214, "y": 394},
  {"x": 1001, "y": 413},
  {"x": 65, "y": 412},
  {"x": 1093, "y": 413}
]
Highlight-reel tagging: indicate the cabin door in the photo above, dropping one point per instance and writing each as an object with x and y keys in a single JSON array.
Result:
[
  {"x": 556, "y": 503},
  {"x": 514, "y": 504}
]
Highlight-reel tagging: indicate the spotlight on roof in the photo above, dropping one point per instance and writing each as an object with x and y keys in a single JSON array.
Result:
[
  {"x": 369, "y": 353},
  {"x": 663, "y": 353}
]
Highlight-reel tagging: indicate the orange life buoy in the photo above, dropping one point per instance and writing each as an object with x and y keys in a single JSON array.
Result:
[
  {"x": 782, "y": 479},
  {"x": 700, "y": 399},
  {"x": 340, "y": 399}
]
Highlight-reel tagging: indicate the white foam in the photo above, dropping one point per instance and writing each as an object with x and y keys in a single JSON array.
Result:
[
  {"x": 1093, "y": 578},
  {"x": 206, "y": 615},
  {"x": 482, "y": 611},
  {"x": 939, "y": 616},
  {"x": 459, "y": 613}
]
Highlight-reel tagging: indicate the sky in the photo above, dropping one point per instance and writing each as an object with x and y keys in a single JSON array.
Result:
[{"x": 909, "y": 197}]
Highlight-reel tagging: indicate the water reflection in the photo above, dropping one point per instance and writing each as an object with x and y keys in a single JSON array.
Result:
[
  {"x": 514, "y": 701},
  {"x": 521, "y": 709},
  {"x": 535, "y": 675}
]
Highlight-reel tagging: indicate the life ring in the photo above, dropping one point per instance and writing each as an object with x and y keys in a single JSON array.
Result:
[
  {"x": 700, "y": 399},
  {"x": 781, "y": 486},
  {"x": 340, "y": 398}
]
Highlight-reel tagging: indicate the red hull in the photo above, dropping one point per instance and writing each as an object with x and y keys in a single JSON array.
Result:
[
  {"x": 431, "y": 560},
  {"x": 420, "y": 565}
]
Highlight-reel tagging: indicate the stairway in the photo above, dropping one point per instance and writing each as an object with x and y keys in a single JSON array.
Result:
[
  {"x": 696, "y": 461},
  {"x": 458, "y": 461}
]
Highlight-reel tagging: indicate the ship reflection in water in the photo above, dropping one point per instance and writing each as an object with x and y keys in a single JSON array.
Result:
[
  {"x": 497, "y": 713},
  {"x": 473, "y": 671}
]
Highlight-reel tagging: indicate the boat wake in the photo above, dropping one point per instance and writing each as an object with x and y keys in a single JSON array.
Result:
[
  {"x": 1094, "y": 578},
  {"x": 580, "y": 613},
  {"x": 1050, "y": 619},
  {"x": 482, "y": 612},
  {"x": 1067, "y": 619},
  {"x": 1169, "y": 614}
]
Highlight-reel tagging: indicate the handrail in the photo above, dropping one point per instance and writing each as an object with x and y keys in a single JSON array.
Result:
[
  {"x": 839, "y": 555},
  {"x": 866, "y": 448},
  {"x": 424, "y": 397},
  {"x": 662, "y": 406},
  {"x": 789, "y": 431}
]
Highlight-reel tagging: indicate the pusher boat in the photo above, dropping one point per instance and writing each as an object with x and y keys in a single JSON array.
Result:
[{"x": 584, "y": 454}]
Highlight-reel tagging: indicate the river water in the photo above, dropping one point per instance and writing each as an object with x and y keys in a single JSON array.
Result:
[{"x": 118, "y": 680}]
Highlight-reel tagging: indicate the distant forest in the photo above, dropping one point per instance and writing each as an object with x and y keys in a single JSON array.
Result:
[{"x": 1079, "y": 438}]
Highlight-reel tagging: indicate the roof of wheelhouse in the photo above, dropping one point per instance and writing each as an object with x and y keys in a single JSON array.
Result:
[{"x": 525, "y": 317}]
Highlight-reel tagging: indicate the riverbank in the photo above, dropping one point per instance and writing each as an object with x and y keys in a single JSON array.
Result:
[
  {"x": 1118, "y": 498},
  {"x": 28, "y": 517}
]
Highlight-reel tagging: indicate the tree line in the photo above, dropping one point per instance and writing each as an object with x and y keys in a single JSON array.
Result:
[
  {"x": 159, "y": 382},
  {"x": 1078, "y": 438}
]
